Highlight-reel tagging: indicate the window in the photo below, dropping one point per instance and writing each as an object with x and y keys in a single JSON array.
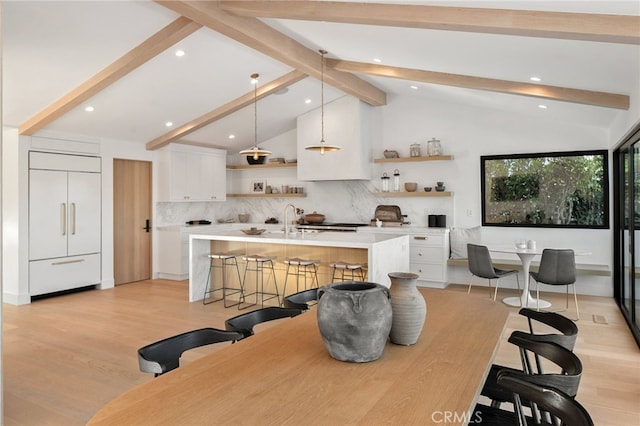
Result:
[{"x": 551, "y": 190}]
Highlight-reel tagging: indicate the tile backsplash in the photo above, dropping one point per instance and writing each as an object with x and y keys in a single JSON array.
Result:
[{"x": 340, "y": 201}]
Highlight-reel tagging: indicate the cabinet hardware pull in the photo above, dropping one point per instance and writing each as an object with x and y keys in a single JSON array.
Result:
[
  {"x": 65, "y": 262},
  {"x": 147, "y": 226},
  {"x": 420, "y": 238},
  {"x": 73, "y": 218},
  {"x": 63, "y": 218}
]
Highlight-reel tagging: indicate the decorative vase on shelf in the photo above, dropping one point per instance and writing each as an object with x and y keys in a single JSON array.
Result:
[
  {"x": 354, "y": 319},
  {"x": 409, "y": 308}
]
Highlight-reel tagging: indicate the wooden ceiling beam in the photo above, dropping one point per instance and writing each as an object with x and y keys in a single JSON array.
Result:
[
  {"x": 261, "y": 37},
  {"x": 586, "y": 97},
  {"x": 623, "y": 29},
  {"x": 226, "y": 109},
  {"x": 148, "y": 49}
]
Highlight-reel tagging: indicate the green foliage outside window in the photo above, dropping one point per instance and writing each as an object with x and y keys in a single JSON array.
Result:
[{"x": 551, "y": 190}]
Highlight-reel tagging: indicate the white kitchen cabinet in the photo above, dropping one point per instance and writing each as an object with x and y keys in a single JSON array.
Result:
[
  {"x": 64, "y": 222},
  {"x": 347, "y": 124},
  {"x": 192, "y": 174},
  {"x": 429, "y": 252},
  {"x": 173, "y": 254},
  {"x": 173, "y": 249}
]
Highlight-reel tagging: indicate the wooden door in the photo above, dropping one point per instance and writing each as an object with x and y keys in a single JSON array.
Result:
[{"x": 131, "y": 220}]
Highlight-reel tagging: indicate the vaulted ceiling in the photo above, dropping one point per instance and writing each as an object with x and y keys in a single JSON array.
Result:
[{"x": 119, "y": 57}]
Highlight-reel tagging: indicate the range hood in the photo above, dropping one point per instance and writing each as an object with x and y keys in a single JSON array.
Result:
[{"x": 348, "y": 124}]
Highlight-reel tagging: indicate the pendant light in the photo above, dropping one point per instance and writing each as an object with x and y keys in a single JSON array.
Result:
[
  {"x": 322, "y": 147},
  {"x": 255, "y": 152}
]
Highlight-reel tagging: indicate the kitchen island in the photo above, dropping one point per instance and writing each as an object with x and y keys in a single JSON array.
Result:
[{"x": 380, "y": 252}]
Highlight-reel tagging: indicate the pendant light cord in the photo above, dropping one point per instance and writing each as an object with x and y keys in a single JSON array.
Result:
[
  {"x": 322, "y": 52},
  {"x": 254, "y": 78}
]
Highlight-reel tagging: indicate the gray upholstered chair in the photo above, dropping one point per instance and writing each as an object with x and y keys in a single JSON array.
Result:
[
  {"x": 557, "y": 267},
  {"x": 481, "y": 266}
]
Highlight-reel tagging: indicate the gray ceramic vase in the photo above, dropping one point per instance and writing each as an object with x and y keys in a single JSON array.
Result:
[
  {"x": 354, "y": 320},
  {"x": 409, "y": 308}
]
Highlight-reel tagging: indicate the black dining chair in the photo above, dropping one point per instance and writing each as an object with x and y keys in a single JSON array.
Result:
[
  {"x": 302, "y": 300},
  {"x": 562, "y": 408},
  {"x": 566, "y": 365},
  {"x": 164, "y": 355},
  {"x": 565, "y": 335},
  {"x": 244, "y": 323},
  {"x": 533, "y": 404},
  {"x": 481, "y": 266},
  {"x": 557, "y": 268}
]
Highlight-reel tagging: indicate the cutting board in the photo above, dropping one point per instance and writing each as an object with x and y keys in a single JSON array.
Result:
[{"x": 388, "y": 214}]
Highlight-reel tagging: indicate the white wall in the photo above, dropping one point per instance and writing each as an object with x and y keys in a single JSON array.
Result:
[
  {"x": 15, "y": 250},
  {"x": 626, "y": 120}
]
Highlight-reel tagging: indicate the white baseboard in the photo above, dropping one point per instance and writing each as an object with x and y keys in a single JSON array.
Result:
[{"x": 16, "y": 299}]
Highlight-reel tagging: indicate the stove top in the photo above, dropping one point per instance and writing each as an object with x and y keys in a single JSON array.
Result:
[{"x": 329, "y": 226}]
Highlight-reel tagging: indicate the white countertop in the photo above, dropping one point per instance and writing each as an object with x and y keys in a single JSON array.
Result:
[{"x": 322, "y": 239}]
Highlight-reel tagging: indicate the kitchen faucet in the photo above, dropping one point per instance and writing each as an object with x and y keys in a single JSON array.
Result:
[{"x": 286, "y": 221}]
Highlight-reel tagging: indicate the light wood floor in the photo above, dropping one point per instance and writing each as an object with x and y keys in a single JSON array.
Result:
[{"x": 65, "y": 357}]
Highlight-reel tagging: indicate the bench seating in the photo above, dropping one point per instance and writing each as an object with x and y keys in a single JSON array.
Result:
[{"x": 581, "y": 268}]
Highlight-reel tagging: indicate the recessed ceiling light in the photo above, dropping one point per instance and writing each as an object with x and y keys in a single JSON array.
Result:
[
  {"x": 414, "y": 87},
  {"x": 307, "y": 101},
  {"x": 377, "y": 60},
  {"x": 542, "y": 106},
  {"x": 179, "y": 53},
  {"x": 232, "y": 136},
  {"x": 535, "y": 79},
  {"x": 89, "y": 108},
  {"x": 168, "y": 124}
]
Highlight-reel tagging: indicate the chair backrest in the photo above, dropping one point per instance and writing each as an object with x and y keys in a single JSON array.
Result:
[
  {"x": 244, "y": 323},
  {"x": 164, "y": 355},
  {"x": 560, "y": 405},
  {"x": 567, "y": 328},
  {"x": 301, "y": 299},
  {"x": 570, "y": 365},
  {"x": 480, "y": 263},
  {"x": 557, "y": 267}
]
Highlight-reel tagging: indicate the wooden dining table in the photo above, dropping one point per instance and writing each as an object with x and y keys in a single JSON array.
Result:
[{"x": 284, "y": 375}]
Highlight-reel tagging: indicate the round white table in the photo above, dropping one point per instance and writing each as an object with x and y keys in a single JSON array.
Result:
[{"x": 526, "y": 256}]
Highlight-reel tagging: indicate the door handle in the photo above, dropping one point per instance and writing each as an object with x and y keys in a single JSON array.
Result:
[
  {"x": 73, "y": 218},
  {"x": 63, "y": 218},
  {"x": 147, "y": 226}
]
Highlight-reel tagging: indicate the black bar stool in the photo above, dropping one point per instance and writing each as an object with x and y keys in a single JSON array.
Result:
[
  {"x": 222, "y": 261},
  {"x": 300, "y": 268},
  {"x": 346, "y": 268},
  {"x": 257, "y": 263}
]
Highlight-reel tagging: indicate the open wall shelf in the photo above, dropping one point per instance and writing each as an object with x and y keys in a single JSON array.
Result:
[
  {"x": 413, "y": 159},
  {"x": 412, "y": 194}
]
